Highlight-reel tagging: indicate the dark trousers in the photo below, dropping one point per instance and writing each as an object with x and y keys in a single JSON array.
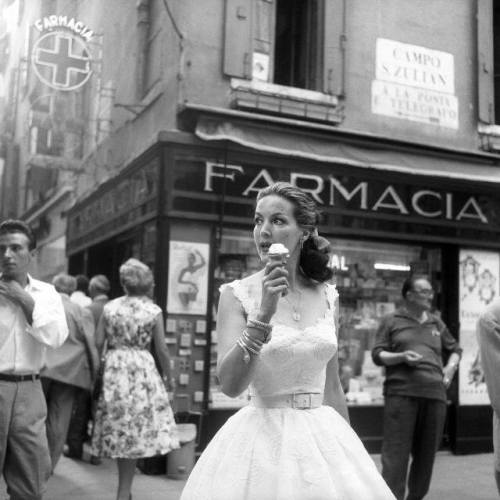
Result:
[
  {"x": 78, "y": 427},
  {"x": 60, "y": 398},
  {"x": 411, "y": 426}
]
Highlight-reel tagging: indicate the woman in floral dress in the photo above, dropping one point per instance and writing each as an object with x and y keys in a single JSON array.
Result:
[{"x": 133, "y": 417}]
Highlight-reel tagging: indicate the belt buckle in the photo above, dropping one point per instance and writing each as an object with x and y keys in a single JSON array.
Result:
[{"x": 302, "y": 401}]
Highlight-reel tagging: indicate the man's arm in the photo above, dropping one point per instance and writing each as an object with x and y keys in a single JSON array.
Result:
[
  {"x": 49, "y": 325},
  {"x": 488, "y": 335},
  {"x": 88, "y": 331},
  {"x": 450, "y": 344}
]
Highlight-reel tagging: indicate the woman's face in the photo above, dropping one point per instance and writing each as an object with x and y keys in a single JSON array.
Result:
[{"x": 275, "y": 223}]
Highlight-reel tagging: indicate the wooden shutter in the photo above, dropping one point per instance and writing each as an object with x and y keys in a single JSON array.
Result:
[
  {"x": 264, "y": 32},
  {"x": 333, "y": 54},
  {"x": 485, "y": 77},
  {"x": 238, "y": 38}
]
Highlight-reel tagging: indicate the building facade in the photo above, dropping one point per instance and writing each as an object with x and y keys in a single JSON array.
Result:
[{"x": 384, "y": 111}]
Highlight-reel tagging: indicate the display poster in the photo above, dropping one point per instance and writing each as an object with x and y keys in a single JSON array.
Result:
[
  {"x": 187, "y": 278},
  {"x": 479, "y": 273}
]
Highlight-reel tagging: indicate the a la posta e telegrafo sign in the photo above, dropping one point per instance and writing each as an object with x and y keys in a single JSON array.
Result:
[{"x": 60, "y": 57}]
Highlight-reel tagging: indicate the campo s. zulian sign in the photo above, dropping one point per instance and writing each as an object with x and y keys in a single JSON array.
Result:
[{"x": 351, "y": 193}]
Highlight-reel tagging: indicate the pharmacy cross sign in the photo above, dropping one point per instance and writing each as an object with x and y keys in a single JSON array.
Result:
[{"x": 61, "y": 60}]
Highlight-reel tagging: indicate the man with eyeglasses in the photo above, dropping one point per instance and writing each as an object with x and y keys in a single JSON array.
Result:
[{"x": 411, "y": 343}]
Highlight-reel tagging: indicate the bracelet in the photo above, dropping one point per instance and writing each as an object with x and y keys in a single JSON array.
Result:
[
  {"x": 248, "y": 345},
  {"x": 263, "y": 327},
  {"x": 251, "y": 342}
]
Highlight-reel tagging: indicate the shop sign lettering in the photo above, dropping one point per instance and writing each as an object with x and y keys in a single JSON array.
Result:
[
  {"x": 123, "y": 198},
  {"x": 331, "y": 191},
  {"x": 53, "y": 21}
]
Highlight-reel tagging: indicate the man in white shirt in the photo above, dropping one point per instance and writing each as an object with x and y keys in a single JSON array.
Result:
[{"x": 31, "y": 319}]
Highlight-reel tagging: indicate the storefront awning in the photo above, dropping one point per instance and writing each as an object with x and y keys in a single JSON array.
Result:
[{"x": 264, "y": 137}]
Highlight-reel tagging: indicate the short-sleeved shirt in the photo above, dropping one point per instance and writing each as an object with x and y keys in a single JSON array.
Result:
[{"x": 399, "y": 332}]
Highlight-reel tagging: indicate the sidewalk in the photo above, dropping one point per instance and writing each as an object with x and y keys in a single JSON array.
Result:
[{"x": 466, "y": 477}]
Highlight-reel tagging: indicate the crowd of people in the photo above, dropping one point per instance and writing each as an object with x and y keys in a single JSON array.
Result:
[
  {"x": 70, "y": 355},
  {"x": 69, "y": 349}
]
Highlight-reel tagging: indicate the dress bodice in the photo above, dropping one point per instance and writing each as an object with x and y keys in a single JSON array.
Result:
[
  {"x": 129, "y": 321},
  {"x": 295, "y": 359}
]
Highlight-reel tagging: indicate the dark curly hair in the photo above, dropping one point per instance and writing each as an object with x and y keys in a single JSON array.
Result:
[
  {"x": 314, "y": 255},
  {"x": 18, "y": 226}
]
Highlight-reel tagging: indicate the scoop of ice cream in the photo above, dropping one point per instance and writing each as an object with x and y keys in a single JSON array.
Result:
[{"x": 278, "y": 250}]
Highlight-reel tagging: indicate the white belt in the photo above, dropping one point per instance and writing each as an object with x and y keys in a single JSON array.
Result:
[{"x": 297, "y": 400}]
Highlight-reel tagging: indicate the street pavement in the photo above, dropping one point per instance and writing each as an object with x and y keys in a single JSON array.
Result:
[{"x": 465, "y": 477}]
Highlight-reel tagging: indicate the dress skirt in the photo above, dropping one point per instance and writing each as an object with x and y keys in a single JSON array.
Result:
[
  {"x": 133, "y": 417},
  {"x": 286, "y": 454}
]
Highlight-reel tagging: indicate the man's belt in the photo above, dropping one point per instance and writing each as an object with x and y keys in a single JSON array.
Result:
[{"x": 12, "y": 377}]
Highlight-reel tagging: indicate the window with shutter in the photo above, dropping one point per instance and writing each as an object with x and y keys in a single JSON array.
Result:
[
  {"x": 286, "y": 56},
  {"x": 488, "y": 79},
  {"x": 298, "y": 53}
]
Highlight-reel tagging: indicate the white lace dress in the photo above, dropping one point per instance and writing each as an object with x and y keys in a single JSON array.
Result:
[{"x": 285, "y": 453}]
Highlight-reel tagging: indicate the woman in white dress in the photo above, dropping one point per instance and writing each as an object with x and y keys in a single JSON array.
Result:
[{"x": 276, "y": 331}]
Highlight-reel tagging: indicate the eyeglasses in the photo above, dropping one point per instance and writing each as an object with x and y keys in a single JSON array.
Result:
[{"x": 426, "y": 292}]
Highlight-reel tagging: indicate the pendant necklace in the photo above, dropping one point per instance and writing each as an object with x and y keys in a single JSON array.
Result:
[{"x": 295, "y": 309}]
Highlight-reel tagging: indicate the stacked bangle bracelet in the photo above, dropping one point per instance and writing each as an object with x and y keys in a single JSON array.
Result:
[
  {"x": 266, "y": 328},
  {"x": 250, "y": 345}
]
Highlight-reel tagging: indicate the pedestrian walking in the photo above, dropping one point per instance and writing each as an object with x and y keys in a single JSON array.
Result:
[
  {"x": 99, "y": 288},
  {"x": 410, "y": 343},
  {"x": 70, "y": 369},
  {"x": 133, "y": 418},
  {"x": 31, "y": 319},
  {"x": 277, "y": 337},
  {"x": 488, "y": 335},
  {"x": 79, "y": 296},
  {"x": 78, "y": 431}
]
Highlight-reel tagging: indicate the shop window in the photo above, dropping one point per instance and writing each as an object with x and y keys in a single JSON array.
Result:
[
  {"x": 369, "y": 277},
  {"x": 282, "y": 53},
  {"x": 237, "y": 258}
]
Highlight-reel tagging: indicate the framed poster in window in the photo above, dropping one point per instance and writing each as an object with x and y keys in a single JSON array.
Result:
[
  {"x": 187, "y": 278},
  {"x": 479, "y": 274}
]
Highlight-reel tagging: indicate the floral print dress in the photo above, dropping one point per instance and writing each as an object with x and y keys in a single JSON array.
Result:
[{"x": 133, "y": 417}]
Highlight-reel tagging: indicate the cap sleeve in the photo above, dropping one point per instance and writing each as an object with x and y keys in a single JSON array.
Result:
[{"x": 247, "y": 295}]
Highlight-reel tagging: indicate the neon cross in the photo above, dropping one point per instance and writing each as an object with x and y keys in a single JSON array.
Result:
[{"x": 62, "y": 60}]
